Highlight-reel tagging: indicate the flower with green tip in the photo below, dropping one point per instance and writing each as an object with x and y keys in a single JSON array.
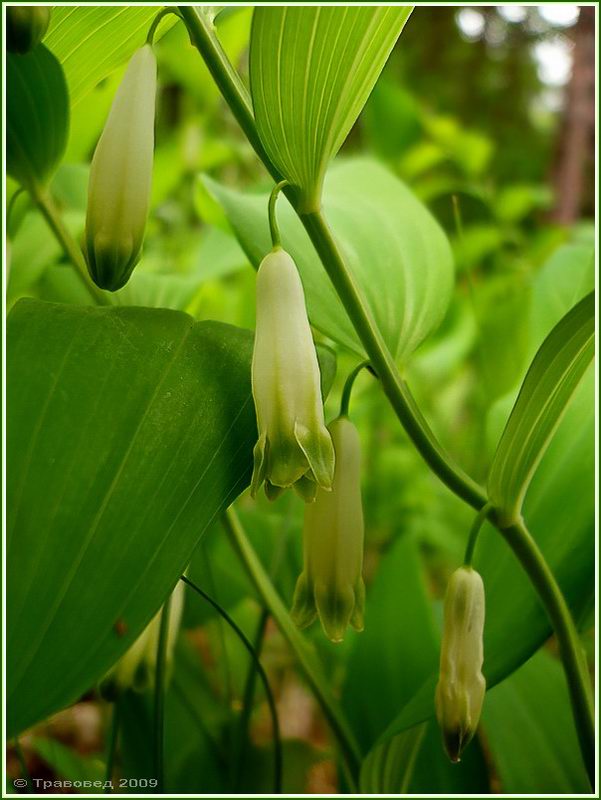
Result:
[
  {"x": 331, "y": 584},
  {"x": 137, "y": 667},
  {"x": 121, "y": 177},
  {"x": 26, "y": 26},
  {"x": 294, "y": 447},
  {"x": 461, "y": 685}
]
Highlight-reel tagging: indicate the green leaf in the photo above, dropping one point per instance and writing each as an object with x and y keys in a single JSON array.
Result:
[
  {"x": 566, "y": 277},
  {"x": 129, "y": 430},
  {"x": 545, "y": 758},
  {"x": 37, "y": 116},
  {"x": 433, "y": 773},
  {"x": 388, "y": 238},
  {"x": 547, "y": 388},
  {"x": 388, "y": 768},
  {"x": 195, "y": 721},
  {"x": 68, "y": 764},
  {"x": 311, "y": 72},
  {"x": 400, "y": 637},
  {"x": 92, "y": 41},
  {"x": 560, "y": 513}
]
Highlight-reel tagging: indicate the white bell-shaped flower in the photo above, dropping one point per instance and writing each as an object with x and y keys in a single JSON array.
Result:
[
  {"x": 121, "y": 177},
  {"x": 461, "y": 685},
  {"x": 331, "y": 584},
  {"x": 294, "y": 447}
]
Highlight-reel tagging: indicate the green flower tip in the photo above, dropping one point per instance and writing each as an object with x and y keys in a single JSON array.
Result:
[
  {"x": 294, "y": 448},
  {"x": 26, "y": 26}
]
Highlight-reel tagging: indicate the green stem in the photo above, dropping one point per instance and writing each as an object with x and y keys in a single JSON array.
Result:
[
  {"x": 274, "y": 228},
  {"x": 159, "y": 698},
  {"x": 52, "y": 216},
  {"x": 297, "y": 642},
  {"x": 384, "y": 365},
  {"x": 155, "y": 23},
  {"x": 475, "y": 530},
  {"x": 396, "y": 390},
  {"x": 277, "y": 742},
  {"x": 11, "y": 207},
  {"x": 570, "y": 650},
  {"x": 240, "y": 744},
  {"x": 348, "y": 388},
  {"x": 112, "y": 745},
  {"x": 203, "y": 37}
]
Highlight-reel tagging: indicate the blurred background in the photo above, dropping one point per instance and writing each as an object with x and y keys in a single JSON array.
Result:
[{"x": 487, "y": 113}]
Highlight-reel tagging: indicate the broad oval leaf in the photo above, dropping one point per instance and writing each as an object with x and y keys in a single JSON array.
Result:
[
  {"x": 92, "y": 41},
  {"x": 311, "y": 72},
  {"x": 128, "y": 431},
  {"x": 547, "y": 388},
  {"x": 37, "y": 116},
  {"x": 389, "y": 239}
]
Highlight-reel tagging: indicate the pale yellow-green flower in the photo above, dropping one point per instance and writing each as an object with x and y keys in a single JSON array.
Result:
[
  {"x": 331, "y": 584},
  {"x": 136, "y": 668},
  {"x": 121, "y": 177},
  {"x": 461, "y": 685},
  {"x": 294, "y": 447}
]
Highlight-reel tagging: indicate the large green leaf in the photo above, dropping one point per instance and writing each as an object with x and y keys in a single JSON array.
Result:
[
  {"x": 551, "y": 380},
  {"x": 37, "y": 116},
  {"x": 545, "y": 757},
  {"x": 129, "y": 430},
  {"x": 92, "y": 41},
  {"x": 388, "y": 768},
  {"x": 389, "y": 240},
  {"x": 311, "y": 72},
  {"x": 400, "y": 634}
]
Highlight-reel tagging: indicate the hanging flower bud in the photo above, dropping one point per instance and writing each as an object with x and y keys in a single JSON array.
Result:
[
  {"x": 26, "y": 26},
  {"x": 461, "y": 685},
  {"x": 294, "y": 446},
  {"x": 121, "y": 177},
  {"x": 331, "y": 584},
  {"x": 136, "y": 668}
]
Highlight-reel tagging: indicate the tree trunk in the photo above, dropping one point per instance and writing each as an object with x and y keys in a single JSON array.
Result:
[{"x": 574, "y": 175}]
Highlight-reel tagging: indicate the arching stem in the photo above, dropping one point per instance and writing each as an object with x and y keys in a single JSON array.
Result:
[
  {"x": 348, "y": 388},
  {"x": 475, "y": 530},
  {"x": 274, "y": 228}
]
